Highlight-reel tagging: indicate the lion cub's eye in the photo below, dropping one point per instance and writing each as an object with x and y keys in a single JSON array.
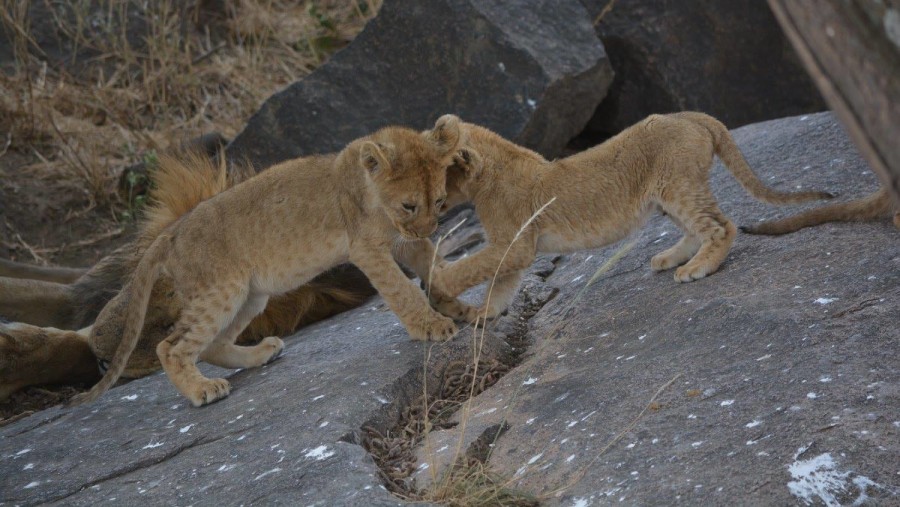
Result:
[
  {"x": 440, "y": 202},
  {"x": 411, "y": 208}
]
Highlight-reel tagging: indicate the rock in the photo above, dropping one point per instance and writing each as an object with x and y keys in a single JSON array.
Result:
[
  {"x": 783, "y": 365},
  {"x": 51, "y": 26},
  {"x": 286, "y": 434},
  {"x": 533, "y": 71},
  {"x": 728, "y": 59},
  {"x": 784, "y": 362}
]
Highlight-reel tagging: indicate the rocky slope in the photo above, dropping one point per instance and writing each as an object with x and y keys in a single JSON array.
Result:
[{"x": 784, "y": 368}]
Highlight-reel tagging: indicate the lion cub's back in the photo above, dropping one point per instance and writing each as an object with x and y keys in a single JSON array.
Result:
[{"x": 285, "y": 212}]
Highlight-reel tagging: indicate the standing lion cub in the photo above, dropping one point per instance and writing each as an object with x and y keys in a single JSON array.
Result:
[
  {"x": 601, "y": 195},
  {"x": 378, "y": 197}
]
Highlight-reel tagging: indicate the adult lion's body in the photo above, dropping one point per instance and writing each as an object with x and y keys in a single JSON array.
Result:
[
  {"x": 279, "y": 230},
  {"x": 599, "y": 196}
]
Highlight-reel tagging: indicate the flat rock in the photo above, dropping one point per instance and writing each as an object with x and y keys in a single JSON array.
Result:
[
  {"x": 531, "y": 70},
  {"x": 286, "y": 434},
  {"x": 728, "y": 59},
  {"x": 783, "y": 364}
]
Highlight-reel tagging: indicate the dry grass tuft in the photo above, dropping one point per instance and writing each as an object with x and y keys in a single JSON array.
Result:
[
  {"x": 475, "y": 485},
  {"x": 95, "y": 83}
]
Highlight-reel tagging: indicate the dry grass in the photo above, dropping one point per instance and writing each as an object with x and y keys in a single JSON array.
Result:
[
  {"x": 472, "y": 481},
  {"x": 130, "y": 77}
]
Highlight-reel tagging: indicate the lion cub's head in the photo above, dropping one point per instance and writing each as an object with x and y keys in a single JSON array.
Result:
[{"x": 408, "y": 172}]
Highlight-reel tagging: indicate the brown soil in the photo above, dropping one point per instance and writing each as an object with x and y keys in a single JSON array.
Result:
[{"x": 47, "y": 221}]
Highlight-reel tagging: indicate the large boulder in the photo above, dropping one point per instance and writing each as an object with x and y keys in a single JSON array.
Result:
[
  {"x": 531, "y": 70},
  {"x": 728, "y": 59},
  {"x": 784, "y": 364}
]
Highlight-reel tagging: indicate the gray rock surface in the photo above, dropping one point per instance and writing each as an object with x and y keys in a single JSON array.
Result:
[
  {"x": 532, "y": 70},
  {"x": 786, "y": 360},
  {"x": 728, "y": 59}
]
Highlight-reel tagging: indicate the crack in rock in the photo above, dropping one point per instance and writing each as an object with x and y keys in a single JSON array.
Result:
[{"x": 426, "y": 398}]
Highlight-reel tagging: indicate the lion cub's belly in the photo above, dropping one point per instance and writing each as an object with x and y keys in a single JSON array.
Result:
[
  {"x": 566, "y": 243},
  {"x": 595, "y": 234},
  {"x": 298, "y": 263}
]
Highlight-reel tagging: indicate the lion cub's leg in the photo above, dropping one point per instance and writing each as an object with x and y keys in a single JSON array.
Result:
[
  {"x": 402, "y": 296},
  {"x": 225, "y": 353},
  {"x": 501, "y": 294},
  {"x": 204, "y": 316},
  {"x": 677, "y": 255},
  {"x": 702, "y": 220}
]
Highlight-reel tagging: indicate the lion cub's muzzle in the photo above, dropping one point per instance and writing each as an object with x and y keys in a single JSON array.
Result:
[{"x": 413, "y": 233}]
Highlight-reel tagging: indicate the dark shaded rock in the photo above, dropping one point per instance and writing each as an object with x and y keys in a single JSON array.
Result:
[
  {"x": 786, "y": 359},
  {"x": 728, "y": 59},
  {"x": 63, "y": 34},
  {"x": 852, "y": 50},
  {"x": 531, "y": 70}
]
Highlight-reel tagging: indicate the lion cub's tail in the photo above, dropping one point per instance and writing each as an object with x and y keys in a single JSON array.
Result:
[
  {"x": 148, "y": 270},
  {"x": 871, "y": 207},
  {"x": 734, "y": 160}
]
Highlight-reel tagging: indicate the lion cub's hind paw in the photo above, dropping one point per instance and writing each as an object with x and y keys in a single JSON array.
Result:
[
  {"x": 688, "y": 273},
  {"x": 663, "y": 261},
  {"x": 277, "y": 346},
  {"x": 209, "y": 391}
]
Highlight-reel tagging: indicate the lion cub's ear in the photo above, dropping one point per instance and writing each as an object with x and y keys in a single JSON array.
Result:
[
  {"x": 446, "y": 133},
  {"x": 467, "y": 163},
  {"x": 373, "y": 158}
]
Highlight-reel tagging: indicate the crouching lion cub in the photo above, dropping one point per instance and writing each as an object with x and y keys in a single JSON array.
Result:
[
  {"x": 601, "y": 195},
  {"x": 280, "y": 229}
]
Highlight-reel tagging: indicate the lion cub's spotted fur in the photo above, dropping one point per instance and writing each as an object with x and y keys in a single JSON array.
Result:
[
  {"x": 602, "y": 194},
  {"x": 280, "y": 229}
]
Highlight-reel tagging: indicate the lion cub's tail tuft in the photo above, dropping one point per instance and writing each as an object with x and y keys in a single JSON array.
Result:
[
  {"x": 734, "y": 160},
  {"x": 180, "y": 183}
]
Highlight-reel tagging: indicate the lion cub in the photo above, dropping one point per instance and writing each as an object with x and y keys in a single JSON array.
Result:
[
  {"x": 601, "y": 195},
  {"x": 278, "y": 230}
]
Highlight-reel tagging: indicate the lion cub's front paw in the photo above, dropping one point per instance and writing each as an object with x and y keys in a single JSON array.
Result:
[
  {"x": 434, "y": 327},
  {"x": 208, "y": 391},
  {"x": 456, "y": 310}
]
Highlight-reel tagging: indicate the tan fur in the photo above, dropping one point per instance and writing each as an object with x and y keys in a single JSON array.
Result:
[
  {"x": 601, "y": 195},
  {"x": 875, "y": 206},
  {"x": 10, "y": 269},
  {"x": 37, "y": 302},
  {"x": 47, "y": 355},
  {"x": 277, "y": 231}
]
